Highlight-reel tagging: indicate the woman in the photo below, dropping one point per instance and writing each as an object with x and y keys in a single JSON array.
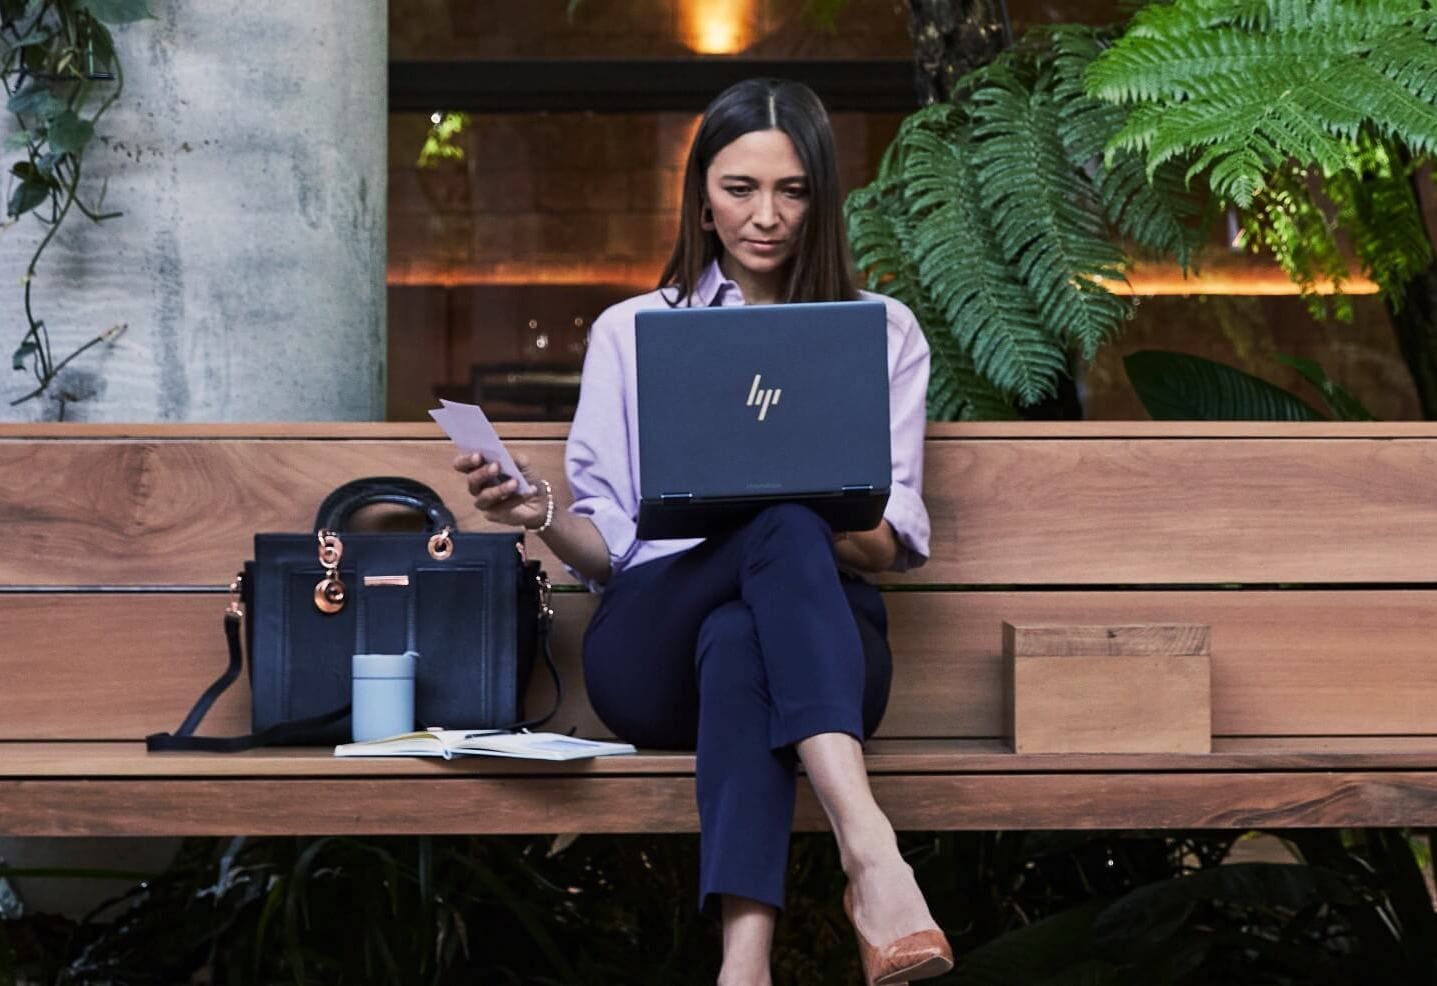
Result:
[{"x": 763, "y": 647}]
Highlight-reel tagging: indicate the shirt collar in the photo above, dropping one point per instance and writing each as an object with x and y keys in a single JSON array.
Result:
[{"x": 711, "y": 283}]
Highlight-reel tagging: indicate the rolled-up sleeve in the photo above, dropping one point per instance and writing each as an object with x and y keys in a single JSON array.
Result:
[
  {"x": 599, "y": 453},
  {"x": 908, "y": 404}
]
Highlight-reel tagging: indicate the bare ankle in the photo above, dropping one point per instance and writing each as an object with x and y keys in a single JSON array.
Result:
[{"x": 874, "y": 847}]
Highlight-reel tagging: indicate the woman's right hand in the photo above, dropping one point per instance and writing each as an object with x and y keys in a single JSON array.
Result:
[{"x": 497, "y": 497}]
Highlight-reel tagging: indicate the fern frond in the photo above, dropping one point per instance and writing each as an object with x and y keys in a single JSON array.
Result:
[
  {"x": 1048, "y": 226},
  {"x": 1154, "y": 214},
  {"x": 881, "y": 238},
  {"x": 956, "y": 390},
  {"x": 961, "y": 264},
  {"x": 1380, "y": 212},
  {"x": 1157, "y": 215},
  {"x": 1248, "y": 84},
  {"x": 1297, "y": 232}
]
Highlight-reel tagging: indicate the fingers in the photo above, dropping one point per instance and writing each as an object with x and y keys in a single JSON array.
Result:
[
  {"x": 485, "y": 476},
  {"x": 494, "y": 494},
  {"x": 467, "y": 461},
  {"x": 491, "y": 496}
]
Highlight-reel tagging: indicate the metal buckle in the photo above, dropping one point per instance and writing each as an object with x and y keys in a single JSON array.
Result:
[
  {"x": 236, "y": 606},
  {"x": 441, "y": 545},
  {"x": 546, "y": 595}
]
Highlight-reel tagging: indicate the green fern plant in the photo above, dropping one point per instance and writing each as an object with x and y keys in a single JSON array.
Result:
[
  {"x": 1311, "y": 116},
  {"x": 994, "y": 218}
]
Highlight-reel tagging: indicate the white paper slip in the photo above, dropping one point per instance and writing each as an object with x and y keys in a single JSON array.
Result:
[
  {"x": 449, "y": 743},
  {"x": 472, "y": 431}
]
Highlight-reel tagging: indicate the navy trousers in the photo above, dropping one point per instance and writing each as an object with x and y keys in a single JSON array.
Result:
[{"x": 738, "y": 649}]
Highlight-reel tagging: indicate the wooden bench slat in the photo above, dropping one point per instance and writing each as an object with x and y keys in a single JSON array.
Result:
[
  {"x": 542, "y": 805},
  {"x": 1319, "y": 696},
  {"x": 1338, "y": 662},
  {"x": 1005, "y": 512},
  {"x": 30, "y": 760}
]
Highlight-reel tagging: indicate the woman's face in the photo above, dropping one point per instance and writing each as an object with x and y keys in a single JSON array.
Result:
[{"x": 758, "y": 194}]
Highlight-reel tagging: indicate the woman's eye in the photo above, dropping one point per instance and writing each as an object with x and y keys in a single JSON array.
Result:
[
  {"x": 796, "y": 193},
  {"x": 738, "y": 190}
]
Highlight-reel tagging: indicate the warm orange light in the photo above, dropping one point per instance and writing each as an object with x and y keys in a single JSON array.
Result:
[
  {"x": 640, "y": 276},
  {"x": 1273, "y": 282},
  {"x": 716, "y": 27}
]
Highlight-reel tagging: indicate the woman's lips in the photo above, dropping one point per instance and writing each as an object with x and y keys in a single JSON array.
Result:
[{"x": 765, "y": 246}]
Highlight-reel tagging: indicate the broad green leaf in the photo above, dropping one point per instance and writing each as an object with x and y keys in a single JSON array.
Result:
[
  {"x": 1179, "y": 387},
  {"x": 27, "y": 348},
  {"x": 116, "y": 11},
  {"x": 37, "y": 100},
  {"x": 27, "y": 195},
  {"x": 69, "y": 132},
  {"x": 1338, "y": 399},
  {"x": 1152, "y": 913},
  {"x": 1042, "y": 952},
  {"x": 18, "y": 141}
]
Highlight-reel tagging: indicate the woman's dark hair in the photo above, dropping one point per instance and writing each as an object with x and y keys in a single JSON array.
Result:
[{"x": 820, "y": 268}]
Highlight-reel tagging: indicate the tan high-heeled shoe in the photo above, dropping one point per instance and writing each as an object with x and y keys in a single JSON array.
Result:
[{"x": 921, "y": 955}]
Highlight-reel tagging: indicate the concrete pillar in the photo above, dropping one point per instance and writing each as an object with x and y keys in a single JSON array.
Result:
[{"x": 247, "y": 153}]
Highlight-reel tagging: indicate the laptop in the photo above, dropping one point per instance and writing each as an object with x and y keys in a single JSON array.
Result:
[{"x": 744, "y": 407}]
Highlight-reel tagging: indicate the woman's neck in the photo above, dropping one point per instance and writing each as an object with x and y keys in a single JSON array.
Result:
[{"x": 758, "y": 289}]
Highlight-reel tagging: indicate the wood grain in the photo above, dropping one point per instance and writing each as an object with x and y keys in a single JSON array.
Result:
[
  {"x": 131, "y": 664},
  {"x": 1298, "y": 663},
  {"x": 543, "y": 805},
  {"x": 1128, "y": 704},
  {"x": 1160, "y": 508},
  {"x": 39, "y": 760},
  {"x": 1136, "y": 640}
]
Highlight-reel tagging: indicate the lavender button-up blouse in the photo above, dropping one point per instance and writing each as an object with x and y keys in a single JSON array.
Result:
[{"x": 602, "y": 457}]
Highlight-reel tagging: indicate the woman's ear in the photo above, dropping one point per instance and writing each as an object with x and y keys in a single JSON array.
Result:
[{"x": 706, "y": 218}]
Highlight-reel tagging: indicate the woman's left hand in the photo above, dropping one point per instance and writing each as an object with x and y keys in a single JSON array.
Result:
[{"x": 867, "y": 551}]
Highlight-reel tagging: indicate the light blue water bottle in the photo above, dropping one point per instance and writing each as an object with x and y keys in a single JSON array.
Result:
[{"x": 383, "y": 699}]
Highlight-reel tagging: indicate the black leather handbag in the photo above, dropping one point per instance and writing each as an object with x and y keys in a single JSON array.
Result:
[{"x": 472, "y": 605}]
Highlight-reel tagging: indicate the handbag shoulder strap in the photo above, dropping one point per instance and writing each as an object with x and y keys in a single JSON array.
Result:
[
  {"x": 183, "y": 738},
  {"x": 546, "y": 620}
]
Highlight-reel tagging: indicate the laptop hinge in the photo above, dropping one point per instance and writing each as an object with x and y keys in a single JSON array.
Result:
[
  {"x": 675, "y": 497},
  {"x": 864, "y": 488}
]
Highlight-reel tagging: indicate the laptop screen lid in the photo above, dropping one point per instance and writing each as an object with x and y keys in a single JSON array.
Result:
[{"x": 772, "y": 402}]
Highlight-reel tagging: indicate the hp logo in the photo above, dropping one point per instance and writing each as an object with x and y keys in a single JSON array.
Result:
[{"x": 761, "y": 397}]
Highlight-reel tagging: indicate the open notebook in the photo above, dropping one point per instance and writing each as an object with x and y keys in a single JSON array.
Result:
[{"x": 449, "y": 743}]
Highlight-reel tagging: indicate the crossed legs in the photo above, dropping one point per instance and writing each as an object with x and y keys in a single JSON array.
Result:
[{"x": 752, "y": 651}]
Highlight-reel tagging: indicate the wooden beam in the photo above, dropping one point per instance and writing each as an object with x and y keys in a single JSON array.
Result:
[{"x": 541, "y": 805}]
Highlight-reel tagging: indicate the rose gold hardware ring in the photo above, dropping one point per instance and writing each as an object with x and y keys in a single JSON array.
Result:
[
  {"x": 329, "y": 592},
  {"x": 441, "y": 545}
]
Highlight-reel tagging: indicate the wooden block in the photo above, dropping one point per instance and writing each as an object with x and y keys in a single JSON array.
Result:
[
  {"x": 1136, "y": 640},
  {"x": 1076, "y": 701}
]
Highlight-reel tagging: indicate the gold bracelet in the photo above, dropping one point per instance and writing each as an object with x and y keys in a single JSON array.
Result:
[{"x": 548, "y": 511}]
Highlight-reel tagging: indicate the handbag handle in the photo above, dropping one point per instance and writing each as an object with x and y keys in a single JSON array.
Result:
[{"x": 336, "y": 510}]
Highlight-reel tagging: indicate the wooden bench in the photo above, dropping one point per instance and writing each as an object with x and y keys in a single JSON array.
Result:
[{"x": 1310, "y": 550}]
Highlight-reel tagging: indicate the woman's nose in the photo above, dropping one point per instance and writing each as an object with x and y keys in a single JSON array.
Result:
[{"x": 765, "y": 211}]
